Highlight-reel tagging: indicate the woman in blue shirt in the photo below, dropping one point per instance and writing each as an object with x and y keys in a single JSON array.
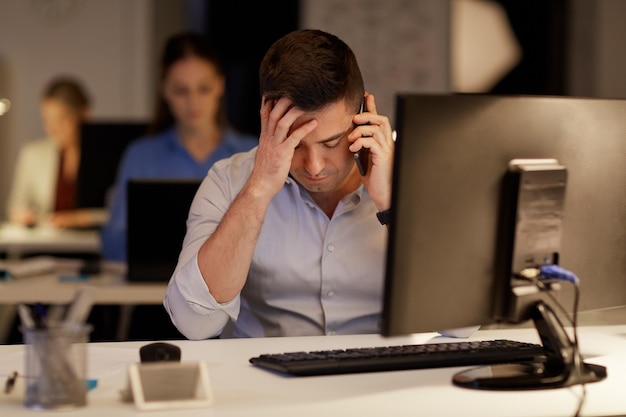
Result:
[{"x": 190, "y": 131}]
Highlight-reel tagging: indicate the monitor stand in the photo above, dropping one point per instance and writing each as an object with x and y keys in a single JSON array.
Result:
[{"x": 562, "y": 366}]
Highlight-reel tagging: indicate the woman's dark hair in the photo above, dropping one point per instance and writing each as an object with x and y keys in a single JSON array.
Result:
[
  {"x": 178, "y": 47},
  {"x": 69, "y": 91},
  {"x": 313, "y": 68}
]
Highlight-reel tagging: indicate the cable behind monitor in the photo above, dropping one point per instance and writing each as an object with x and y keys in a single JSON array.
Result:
[{"x": 530, "y": 232}]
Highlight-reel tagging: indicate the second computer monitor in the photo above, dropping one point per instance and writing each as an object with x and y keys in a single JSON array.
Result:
[
  {"x": 102, "y": 146},
  {"x": 452, "y": 153}
]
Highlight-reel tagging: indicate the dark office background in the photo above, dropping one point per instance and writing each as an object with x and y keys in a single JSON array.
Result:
[
  {"x": 540, "y": 27},
  {"x": 243, "y": 30}
]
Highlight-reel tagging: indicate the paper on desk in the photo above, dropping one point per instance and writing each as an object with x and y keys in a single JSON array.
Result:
[{"x": 103, "y": 361}]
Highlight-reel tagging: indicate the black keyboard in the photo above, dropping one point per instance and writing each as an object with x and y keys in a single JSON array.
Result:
[{"x": 394, "y": 358}]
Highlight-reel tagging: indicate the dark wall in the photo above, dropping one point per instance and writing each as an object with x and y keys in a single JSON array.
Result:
[
  {"x": 243, "y": 30},
  {"x": 541, "y": 29}
]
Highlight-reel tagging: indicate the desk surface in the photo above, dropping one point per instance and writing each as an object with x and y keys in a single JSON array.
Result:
[
  {"x": 241, "y": 389},
  {"x": 17, "y": 241}
]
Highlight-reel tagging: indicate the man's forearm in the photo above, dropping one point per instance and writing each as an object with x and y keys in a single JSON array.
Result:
[{"x": 224, "y": 258}]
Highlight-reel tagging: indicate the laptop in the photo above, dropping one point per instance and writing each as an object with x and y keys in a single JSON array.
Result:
[{"x": 157, "y": 217}]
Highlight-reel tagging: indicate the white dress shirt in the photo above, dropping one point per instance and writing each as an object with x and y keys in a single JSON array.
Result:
[
  {"x": 310, "y": 275},
  {"x": 34, "y": 178}
]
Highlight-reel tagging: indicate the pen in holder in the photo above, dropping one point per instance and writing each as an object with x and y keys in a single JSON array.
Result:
[{"x": 56, "y": 364}]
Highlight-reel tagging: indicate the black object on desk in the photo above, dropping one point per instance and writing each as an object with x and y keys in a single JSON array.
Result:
[{"x": 159, "y": 351}]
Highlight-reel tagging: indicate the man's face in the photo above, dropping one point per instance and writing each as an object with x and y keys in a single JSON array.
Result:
[{"x": 322, "y": 161}]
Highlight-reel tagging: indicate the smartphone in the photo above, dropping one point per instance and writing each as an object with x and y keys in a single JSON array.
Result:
[{"x": 361, "y": 157}]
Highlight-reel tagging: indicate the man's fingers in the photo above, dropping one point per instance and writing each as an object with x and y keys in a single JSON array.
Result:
[
  {"x": 371, "y": 103},
  {"x": 298, "y": 134}
]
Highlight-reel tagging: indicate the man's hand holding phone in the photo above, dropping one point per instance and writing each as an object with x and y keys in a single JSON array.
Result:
[
  {"x": 373, "y": 133},
  {"x": 362, "y": 156}
]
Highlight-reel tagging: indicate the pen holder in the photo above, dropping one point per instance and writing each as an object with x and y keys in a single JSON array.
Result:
[{"x": 56, "y": 367}]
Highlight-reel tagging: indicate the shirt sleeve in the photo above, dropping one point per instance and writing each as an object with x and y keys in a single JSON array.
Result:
[{"x": 192, "y": 308}]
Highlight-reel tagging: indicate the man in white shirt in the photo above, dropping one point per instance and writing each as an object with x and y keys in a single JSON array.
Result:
[{"x": 286, "y": 239}]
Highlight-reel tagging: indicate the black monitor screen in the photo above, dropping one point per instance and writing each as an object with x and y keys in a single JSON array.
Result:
[
  {"x": 157, "y": 218},
  {"x": 102, "y": 146},
  {"x": 451, "y": 155}
]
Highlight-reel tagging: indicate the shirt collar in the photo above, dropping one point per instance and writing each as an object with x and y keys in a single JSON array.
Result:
[{"x": 352, "y": 199}]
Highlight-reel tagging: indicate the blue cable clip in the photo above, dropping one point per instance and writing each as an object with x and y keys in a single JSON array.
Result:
[{"x": 556, "y": 272}]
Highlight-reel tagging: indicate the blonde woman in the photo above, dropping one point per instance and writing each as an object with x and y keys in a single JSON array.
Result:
[{"x": 44, "y": 183}]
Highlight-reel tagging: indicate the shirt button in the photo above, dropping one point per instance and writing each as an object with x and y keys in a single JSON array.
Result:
[
  {"x": 331, "y": 248},
  {"x": 330, "y": 293}
]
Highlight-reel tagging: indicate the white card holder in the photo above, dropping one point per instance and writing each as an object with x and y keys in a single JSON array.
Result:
[{"x": 170, "y": 385}]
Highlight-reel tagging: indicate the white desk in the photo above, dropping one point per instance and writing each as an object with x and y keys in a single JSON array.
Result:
[
  {"x": 241, "y": 389},
  {"x": 17, "y": 241}
]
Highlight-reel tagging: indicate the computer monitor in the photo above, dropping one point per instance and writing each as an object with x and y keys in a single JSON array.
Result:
[
  {"x": 453, "y": 256},
  {"x": 157, "y": 218},
  {"x": 102, "y": 146}
]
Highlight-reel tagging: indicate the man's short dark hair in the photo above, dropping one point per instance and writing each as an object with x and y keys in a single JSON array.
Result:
[{"x": 313, "y": 68}]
